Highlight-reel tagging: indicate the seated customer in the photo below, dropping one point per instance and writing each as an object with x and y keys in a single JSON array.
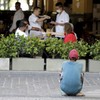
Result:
[
  {"x": 23, "y": 26},
  {"x": 69, "y": 34},
  {"x": 71, "y": 80}
]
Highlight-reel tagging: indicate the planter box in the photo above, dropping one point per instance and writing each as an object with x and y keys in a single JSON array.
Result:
[
  {"x": 94, "y": 66},
  {"x": 55, "y": 64},
  {"x": 82, "y": 61},
  {"x": 4, "y": 63},
  {"x": 22, "y": 64}
]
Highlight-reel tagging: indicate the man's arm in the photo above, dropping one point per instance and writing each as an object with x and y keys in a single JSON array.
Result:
[
  {"x": 56, "y": 23},
  {"x": 42, "y": 19},
  {"x": 36, "y": 29}
]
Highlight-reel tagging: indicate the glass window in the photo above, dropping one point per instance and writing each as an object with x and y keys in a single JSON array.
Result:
[
  {"x": 24, "y": 4},
  {"x": 4, "y": 4},
  {"x": 10, "y": 4}
]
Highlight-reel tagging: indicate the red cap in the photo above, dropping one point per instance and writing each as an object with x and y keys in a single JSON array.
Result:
[{"x": 73, "y": 53}]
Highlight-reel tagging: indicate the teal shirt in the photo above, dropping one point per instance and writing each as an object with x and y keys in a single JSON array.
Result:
[{"x": 71, "y": 77}]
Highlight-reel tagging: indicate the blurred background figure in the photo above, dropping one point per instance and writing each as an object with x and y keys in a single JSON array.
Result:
[
  {"x": 23, "y": 26},
  {"x": 69, "y": 34},
  {"x": 17, "y": 16}
]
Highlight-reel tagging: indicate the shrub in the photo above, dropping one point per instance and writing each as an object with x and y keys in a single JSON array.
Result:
[
  {"x": 95, "y": 50},
  {"x": 81, "y": 46},
  {"x": 14, "y": 47},
  {"x": 8, "y": 46},
  {"x": 34, "y": 46},
  {"x": 53, "y": 46}
]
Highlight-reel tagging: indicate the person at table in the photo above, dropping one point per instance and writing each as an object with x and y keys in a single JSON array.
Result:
[
  {"x": 35, "y": 21},
  {"x": 61, "y": 18},
  {"x": 22, "y": 27},
  {"x": 70, "y": 35}
]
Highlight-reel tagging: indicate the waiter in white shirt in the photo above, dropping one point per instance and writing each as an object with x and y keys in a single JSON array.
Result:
[
  {"x": 19, "y": 15},
  {"x": 61, "y": 19},
  {"x": 35, "y": 21}
]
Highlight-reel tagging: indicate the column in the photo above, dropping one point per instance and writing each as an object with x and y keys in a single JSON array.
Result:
[
  {"x": 40, "y": 4},
  {"x": 49, "y": 5},
  {"x": 34, "y": 3}
]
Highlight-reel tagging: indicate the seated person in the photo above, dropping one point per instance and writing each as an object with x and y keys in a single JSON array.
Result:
[
  {"x": 22, "y": 27},
  {"x": 69, "y": 34},
  {"x": 71, "y": 80},
  {"x": 35, "y": 21}
]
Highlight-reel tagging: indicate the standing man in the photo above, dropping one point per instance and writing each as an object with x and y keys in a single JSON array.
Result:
[
  {"x": 35, "y": 21},
  {"x": 19, "y": 15},
  {"x": 61, "y": 19}
]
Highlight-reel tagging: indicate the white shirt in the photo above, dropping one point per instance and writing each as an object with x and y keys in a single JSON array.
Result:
[
  {"x": 19, "y": 15},
  {"x": 61, "y": 18},
  {"x": 20, "y": 33},
  {"x": 33, "y": 23}
]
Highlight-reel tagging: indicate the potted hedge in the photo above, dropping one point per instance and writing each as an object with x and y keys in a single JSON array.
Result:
[
  {"x": 81, "y": 46},
  {"x": 55, "y": 47},
  {"x": 32, "y": 47},
  {"x": 8, "y": 50},
  {"x": 94, "y": 63}
]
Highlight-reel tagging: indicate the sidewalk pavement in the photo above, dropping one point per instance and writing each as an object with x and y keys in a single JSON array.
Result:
[{"x": 42, "y": 85}]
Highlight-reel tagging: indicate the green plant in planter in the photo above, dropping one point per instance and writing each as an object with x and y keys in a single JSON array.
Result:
[
  {"x": 95, "y": 50},
  {"x": 20, "y": 44},
  {"x": 53, "y": 46},
  {"x": 81, "y": 46},
  {"x": 65, "y": 50},
  {"x": 8, "y": 46},
  {"x": 34, "y": 46}
]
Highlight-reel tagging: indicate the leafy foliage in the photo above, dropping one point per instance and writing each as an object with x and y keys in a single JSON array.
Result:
[
  {"x": 95, "y": 50},
  {"x": 13, "y": 47},
  {"x": 53, "y": 46},
  {"x": 81, "y": 46},
  {"x": 34, "y": 46},
  {"x": 8, "y": 46}
]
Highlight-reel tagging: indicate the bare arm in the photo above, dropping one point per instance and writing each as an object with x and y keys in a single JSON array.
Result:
[
  {"x": 43, "y": 18},
  {"x": 40, "y": 19},
  {"x": 55, "y": 23},
  {"x": 36, "y": 29}
]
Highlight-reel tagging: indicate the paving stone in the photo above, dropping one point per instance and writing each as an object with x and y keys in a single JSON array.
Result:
[{"x": 28, "y": 85}]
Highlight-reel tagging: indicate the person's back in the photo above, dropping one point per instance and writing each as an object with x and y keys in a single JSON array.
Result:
[
  {"x": 71, "y": 80},
  {"x": 70, "y": 38},
  {"x": 71, "y": 83}
]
